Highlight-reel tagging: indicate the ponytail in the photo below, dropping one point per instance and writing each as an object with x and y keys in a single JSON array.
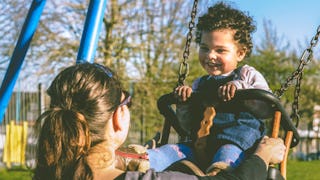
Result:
[
  {"x": 83, "y": 98},
  {"x": 63, "y": 146}
]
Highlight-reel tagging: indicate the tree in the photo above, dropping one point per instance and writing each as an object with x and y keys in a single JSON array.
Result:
[
  {"x": 141, "y": 40},
  {"x": 155, "y": 58},
  {"x": 276, "y": 62},
  {"x": 10, "y": 23}
]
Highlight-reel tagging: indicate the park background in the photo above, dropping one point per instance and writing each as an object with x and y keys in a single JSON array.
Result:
[{"x": 144, "y": 42}]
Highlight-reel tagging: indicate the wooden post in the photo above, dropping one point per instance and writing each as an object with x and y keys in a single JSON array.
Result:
[
  {"x": 283, "y": 164},
  {"x": 276, "y": 124}
]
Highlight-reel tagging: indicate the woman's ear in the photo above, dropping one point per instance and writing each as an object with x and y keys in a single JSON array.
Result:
[
  {"x": 116, "y": 119},
  {"x": 121, "y": 119}
]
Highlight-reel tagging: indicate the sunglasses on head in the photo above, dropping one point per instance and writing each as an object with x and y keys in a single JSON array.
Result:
[
  {"x": 106, "y": 70},
  {"x": 127, "y": 99}
]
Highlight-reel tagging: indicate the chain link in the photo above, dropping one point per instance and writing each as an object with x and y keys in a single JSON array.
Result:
[
  {"x": 305, "y": 59},
  {"x": 297, "y": 74},
  {"x": 295, "y": 105},
  {"x": 184, "y": 66}
]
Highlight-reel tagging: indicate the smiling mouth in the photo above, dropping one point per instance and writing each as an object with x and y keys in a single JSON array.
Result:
[{"x": 211, "y": 64}]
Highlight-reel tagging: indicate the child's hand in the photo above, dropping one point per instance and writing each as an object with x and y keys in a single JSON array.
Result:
[
  {"x": 227, "y": 91},
  {"x": 184, "y": 92}
]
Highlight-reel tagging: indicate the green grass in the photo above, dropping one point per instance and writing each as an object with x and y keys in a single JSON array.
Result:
[
  {"x": 296, "y": 170},
  {"x": 303, "y": 170},
  {"x": 15, "y": 174}
]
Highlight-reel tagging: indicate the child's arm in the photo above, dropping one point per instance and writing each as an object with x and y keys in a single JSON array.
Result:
[
  {"x": 184, "y": 92},
  {"x": 226, "y": 92},
  {"x": 250, "y": 78}
]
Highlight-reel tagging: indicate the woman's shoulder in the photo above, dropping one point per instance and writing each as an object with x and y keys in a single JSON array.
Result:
[
  {"x": 107, "y": 174},
  {"x": 151, "y": 174}
]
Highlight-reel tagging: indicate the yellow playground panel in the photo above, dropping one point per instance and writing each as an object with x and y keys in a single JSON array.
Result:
[{"x": 15, "y": 143}]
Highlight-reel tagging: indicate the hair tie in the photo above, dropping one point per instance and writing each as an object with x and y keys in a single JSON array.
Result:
[
  {"x": 56, "y": 108},
  {"x": 80, "y": 116}
]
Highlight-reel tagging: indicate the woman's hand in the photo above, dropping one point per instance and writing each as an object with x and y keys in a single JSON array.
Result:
[{"x": 271, "y": 150}]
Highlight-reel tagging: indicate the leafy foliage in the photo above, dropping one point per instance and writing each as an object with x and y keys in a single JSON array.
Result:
[
  {"x": 277, "y": 63},
  {"x": 143, "y": 42}
]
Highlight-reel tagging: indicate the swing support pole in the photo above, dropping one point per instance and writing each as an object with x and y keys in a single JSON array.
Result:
[
  {"x": 91, "y": 30},
  {"x": 19, "y": 53}
]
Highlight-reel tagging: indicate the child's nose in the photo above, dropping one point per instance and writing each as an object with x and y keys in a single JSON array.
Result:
[{"x": 212, "y": 55}]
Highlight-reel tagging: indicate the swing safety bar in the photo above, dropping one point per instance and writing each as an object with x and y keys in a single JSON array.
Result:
[
  {"x": 275, "y": 104},
  {"x": 260, "y": 103},
  {"x": 268, "y": 103}
]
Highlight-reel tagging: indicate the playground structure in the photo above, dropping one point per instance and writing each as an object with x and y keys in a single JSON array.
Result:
[
  {"x": 309, "y": 147},
  {"x": 272, "y": 108},
  {"x": 16, "y": 130}
]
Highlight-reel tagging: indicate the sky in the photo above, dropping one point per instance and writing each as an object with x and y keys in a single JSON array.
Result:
[{"x": 294, "y": 20}]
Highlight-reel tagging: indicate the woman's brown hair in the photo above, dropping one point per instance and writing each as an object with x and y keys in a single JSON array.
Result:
[{"x": 83, "y": 98}]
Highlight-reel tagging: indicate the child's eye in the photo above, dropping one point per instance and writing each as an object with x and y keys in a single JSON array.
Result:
[{"x": 220, "y": 50}]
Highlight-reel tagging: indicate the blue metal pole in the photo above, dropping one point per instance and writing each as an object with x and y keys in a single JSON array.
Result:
[
  {"x": 13, "y": 70},
  {"x": 91, "y": 30}
]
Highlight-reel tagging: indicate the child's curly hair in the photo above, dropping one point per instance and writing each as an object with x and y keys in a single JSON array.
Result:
[{"x": 223, "y": 16}]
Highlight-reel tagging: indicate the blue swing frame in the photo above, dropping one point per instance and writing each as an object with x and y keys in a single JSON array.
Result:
[{"x": 86, "y": 52}]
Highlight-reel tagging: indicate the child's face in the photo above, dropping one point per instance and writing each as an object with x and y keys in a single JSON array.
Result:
[{"x": 218, "y": 52}]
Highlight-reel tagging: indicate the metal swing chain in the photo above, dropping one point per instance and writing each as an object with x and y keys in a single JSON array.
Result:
[
  {"x": 305, "y": 59},
  {"x": 297, "y": 74},
  {"x": 295, "y": 105},
  {"x": 184, "y": 66}
]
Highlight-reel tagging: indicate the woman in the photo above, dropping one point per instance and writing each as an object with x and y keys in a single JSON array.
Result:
[{"x": 89, "y": 119}]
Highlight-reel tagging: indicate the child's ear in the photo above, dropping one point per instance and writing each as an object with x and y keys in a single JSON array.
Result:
[{"x": 242, "y": 53}]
